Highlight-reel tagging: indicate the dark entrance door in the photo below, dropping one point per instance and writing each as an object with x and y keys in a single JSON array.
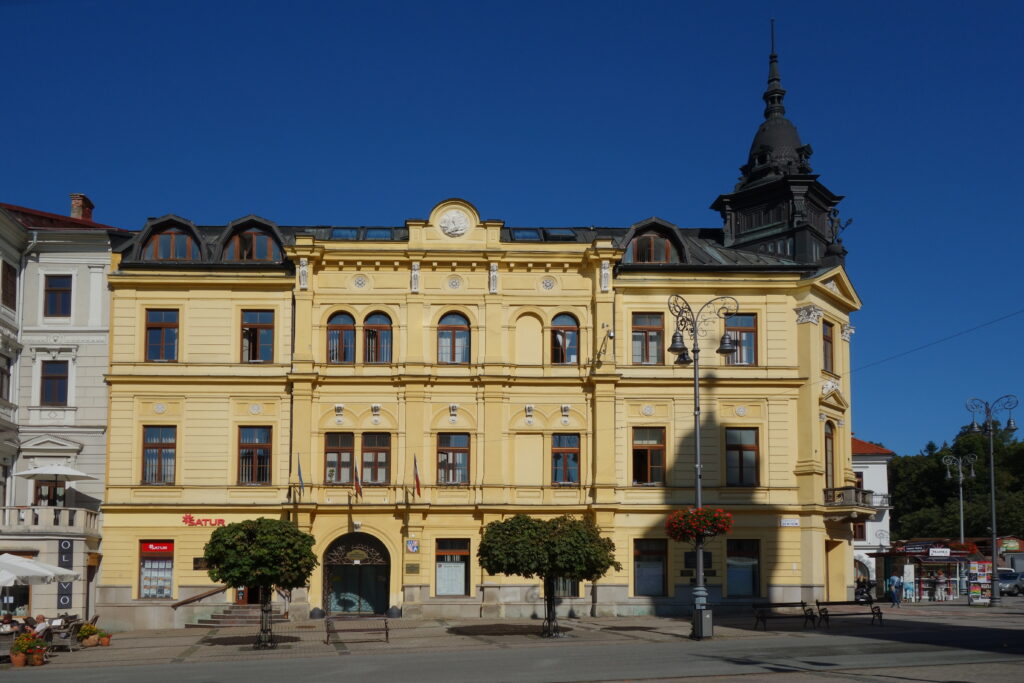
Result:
[{"x": 357, "y": 573}]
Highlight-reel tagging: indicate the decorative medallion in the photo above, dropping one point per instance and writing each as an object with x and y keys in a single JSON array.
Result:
[
  {"x": 647, "y": 410},
  {"x": 454, "y": 283},
  {"x": 359, "y": 281},
  {"x": 548, "y": 283},
  {"x": 159, "y": 409},
  {"x": 255, "y": 409},
  {"x": 741, "y": 410},
  {"x": 454, "y": 223}
]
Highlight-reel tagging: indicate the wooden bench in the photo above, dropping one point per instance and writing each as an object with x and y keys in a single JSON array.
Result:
[
  {"x": 763, "y": 611},
  {"x": 869, "y": 608},
  {"x": 350, "y": 624}
]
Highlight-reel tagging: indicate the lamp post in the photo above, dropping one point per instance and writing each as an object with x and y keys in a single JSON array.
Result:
[
  {"x": 960, "y": 461},
  {"x": 978, "y": 407},
  {"x": 694, "y": 325}
]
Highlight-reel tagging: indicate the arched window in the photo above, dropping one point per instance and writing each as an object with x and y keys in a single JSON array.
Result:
[
  {"x": 377, "y": 338},
  {"x": 830, "y": 452},
  {"x": 651, "y": 247},
  {"x": 173, "y": 244},
  {"x": 341, "y": 339},
  {"x": 252, "y": 245},
  {"x": 565, "y": 340},
  {"x": 453, "y": 339}
]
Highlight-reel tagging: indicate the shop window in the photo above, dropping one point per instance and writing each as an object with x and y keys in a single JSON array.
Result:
[
  {"x": 650, "y": 561},
  {"x": 452, "y": 557},
  {"x": 54, "y": 389},
  {"x": 257, "y": 336},
  {"x": 377, "y": 338},
  {"x": 57, "y": 296},
  {"x": 159, "y": 452},
  {"x": 341, "y": 339},
  {"x": 743, "y": 567},
  {"x": 827, "y": 346},
  {"x": 161, "y": 336},
  {"x": 338, "y": 449},
  {"x": 453, "y": 339},
  {"x": 376, "y": 458},
  {"x": 648, "y": 455},
  {"x": 17, "y": 600},
  {"x": 452, "y": 459},
  {"x": 648, "y": 339},
  {"x": 565, "y": 458},
  {"x": 741, "y": 457},
  {"x": 742, "y": 327},
  {"x": 156, "y": 570},
  {"x": 565, "y": 340},
  {"x": 172, "y": 244},
  {"x": 254, "y": 453}
]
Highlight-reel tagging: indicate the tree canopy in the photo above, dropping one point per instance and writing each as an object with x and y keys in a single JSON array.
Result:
[{"x": 261, "y": 552}]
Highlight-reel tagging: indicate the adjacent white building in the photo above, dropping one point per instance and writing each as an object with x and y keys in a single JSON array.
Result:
[{"x": 871, "y": 467}]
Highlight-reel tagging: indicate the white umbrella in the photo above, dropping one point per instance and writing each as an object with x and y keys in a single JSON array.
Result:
[
  {"x": 54, "y": 472},
  {"x": 21, "y": 571}
]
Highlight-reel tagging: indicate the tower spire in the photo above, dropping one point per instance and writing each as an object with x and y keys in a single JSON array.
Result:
[{"x": 774, "y": 94}]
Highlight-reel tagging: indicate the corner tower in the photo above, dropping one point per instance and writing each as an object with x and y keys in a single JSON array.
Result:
[{"x": 778, "y": 207}]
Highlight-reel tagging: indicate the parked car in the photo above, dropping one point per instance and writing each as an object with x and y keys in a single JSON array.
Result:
[{"x": 1011, "y": 583}]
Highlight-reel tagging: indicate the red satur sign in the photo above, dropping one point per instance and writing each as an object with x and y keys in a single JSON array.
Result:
[{"x": 157, "y": 546}]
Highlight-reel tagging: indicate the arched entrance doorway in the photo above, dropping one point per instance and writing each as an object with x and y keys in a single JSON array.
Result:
[{"x": 357, "y": 573}]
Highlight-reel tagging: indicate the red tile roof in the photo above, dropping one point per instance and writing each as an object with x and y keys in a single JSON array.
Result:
[
  {"x": 865, "y": 448},
  {"x": 33, "y": 219}
]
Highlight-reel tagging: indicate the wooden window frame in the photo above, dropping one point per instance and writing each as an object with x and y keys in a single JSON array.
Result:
[
  {"x": 339, "y": 331},
  {"x": 5, "y": 378},
  {"x": 160, "y": 447},
  {"x": 829, "y": 452},
  {"x": 828, "y": 336},
  {"x": 48, "y": 378},
  {"x": 163, "y": 326},
  {"x": 738, "y": 334},
  {"x": 561, "y": 475},
  {"x": 447, "y": 462},
  {"x": 647, "y": 331},
  {"x": 375, "y": 451},
  {"x": 452, "y": 342},
  {"x": 57, "y": 294},
  {"x": 173, "y": 236},
  {"x": 740, "y": 450},
  {"x": 453, "y": 549},
  {"x": 9, "y": 286},
  {"x": 860, "y": 531},
  {"x": 644, "y": 451},
  {"x": 569, "y": 345},
  {"x": 339, "y": 449},
  {"x": 252, "y": 332},
  {"x": 254, "y": 466},
  {"x": 260, "y": 241},
  {"x": 52, "y": 500},
  {"x": 647, "y": 241},
  {"x": 374, "y": 347}
]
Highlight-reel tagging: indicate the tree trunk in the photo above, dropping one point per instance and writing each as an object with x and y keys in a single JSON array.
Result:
[
  {"x": 265, "y": 640},
  {"x": 550, "y": 627}
]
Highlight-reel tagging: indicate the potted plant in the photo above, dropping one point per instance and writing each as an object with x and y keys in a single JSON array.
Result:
[
  {"x": 88, "y": 635},
  {"x": 104, "y": 638},
  {"x": 28, "y": 649},
  {"x": 697, "y": 524}
]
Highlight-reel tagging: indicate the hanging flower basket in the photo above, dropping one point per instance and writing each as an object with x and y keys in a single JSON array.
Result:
[{"x": 689, "y": 525}]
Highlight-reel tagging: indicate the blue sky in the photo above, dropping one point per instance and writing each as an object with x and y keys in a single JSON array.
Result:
[{"x": 561, "y": 113}]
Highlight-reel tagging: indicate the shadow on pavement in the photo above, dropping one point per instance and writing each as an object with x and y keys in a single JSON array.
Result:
[
  {"x": 501, "y": 630},
  {"x": 244, "y": 640}
]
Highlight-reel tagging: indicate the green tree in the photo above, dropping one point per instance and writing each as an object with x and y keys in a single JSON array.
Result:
[
  {"x": 559, "y": 548},
  {"x": 261, "y": 553}
]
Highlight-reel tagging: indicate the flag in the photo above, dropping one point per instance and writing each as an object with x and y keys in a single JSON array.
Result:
[
  {"x": 355, "y": 479},
  {"x": 302, "y": 484},
  {"x": 416, "y": 475}
]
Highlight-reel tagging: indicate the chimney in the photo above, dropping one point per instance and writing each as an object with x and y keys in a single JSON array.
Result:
[{"x": 81, "y": 206}]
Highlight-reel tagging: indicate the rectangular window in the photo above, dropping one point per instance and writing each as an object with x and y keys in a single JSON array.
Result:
[
  {"x": 859, "y": 479},
  {"x": 741, "y": 457},
  {"x": 257, "y": 336},
  {"x": 648, "y": 455},
  {"x": 57, "y": 296},
  {"x": 827, "y": 336},
  {"x": 159, "y": 451},
  {"x": 156, "y": 569},
  {"x": 860, "y": 531},
  {"x": 650, "y": 560},
  {"x": 453, "y": 459},
  {"x": 49, "y": 493},
  {"x": 5, "y": 379},
  {"x": 9, "y": 286},
  {"x": 376, "y": 458},
  {"x": 565, "y": 458},
  {"x": 648, "y": 339},
  {"x": 161, "y": 336},
  {"x": 338, "y": 457},
  {"x": 452, "y": 557},
  {"x": 254, "y": 450},
  {"x": 54, "y": 389},
  {"x": 743, "y": 565},
  {"x": 566, "y": 588},
  {"x": 742, "y": 327}
]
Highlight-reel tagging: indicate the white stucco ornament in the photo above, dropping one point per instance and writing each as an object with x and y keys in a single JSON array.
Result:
[{"x": 454, "y": 223}]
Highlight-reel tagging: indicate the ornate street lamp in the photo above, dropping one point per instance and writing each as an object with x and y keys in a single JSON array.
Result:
[
  {"x": 976, "y": 406},
  {"x": 960, "y": 461},
  {"x": 694, "y": 326}
]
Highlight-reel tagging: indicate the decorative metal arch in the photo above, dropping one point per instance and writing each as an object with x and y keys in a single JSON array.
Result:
[{"x": 341, "y": 550}]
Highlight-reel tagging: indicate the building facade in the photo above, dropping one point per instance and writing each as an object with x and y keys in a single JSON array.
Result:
[
  {"x": 394, "y": 389},
  {"x": 55, "y": 375},
  {"x": 871, "y": 470}
]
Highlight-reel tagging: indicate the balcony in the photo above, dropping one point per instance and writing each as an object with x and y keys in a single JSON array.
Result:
[
  {"x": 851, "y": 504},
  {"x": 44, "y": 520}
]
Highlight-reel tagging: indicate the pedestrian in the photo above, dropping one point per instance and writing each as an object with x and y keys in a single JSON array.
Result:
[
  {"x": 895, "y": 588},
  {"x": 940, "y": 585}
]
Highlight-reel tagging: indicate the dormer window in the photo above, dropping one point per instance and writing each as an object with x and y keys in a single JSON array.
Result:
[
  {"x": 173, "y": 244},
  {"x": 651, "y": 247},
  {"x": 252, "y": 245}
]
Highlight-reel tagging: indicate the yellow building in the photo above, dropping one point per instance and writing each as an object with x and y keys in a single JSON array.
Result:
[{"x": 313, "y": 372}]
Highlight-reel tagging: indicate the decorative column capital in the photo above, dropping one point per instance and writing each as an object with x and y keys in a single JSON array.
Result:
[{"x": 810, "y": 313}]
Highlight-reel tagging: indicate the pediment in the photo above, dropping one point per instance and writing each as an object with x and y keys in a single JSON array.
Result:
[
  {"x": 835, "y": 284},
  {"x": 832, "y": 397},
  {"x": 49, "y": 443}
]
